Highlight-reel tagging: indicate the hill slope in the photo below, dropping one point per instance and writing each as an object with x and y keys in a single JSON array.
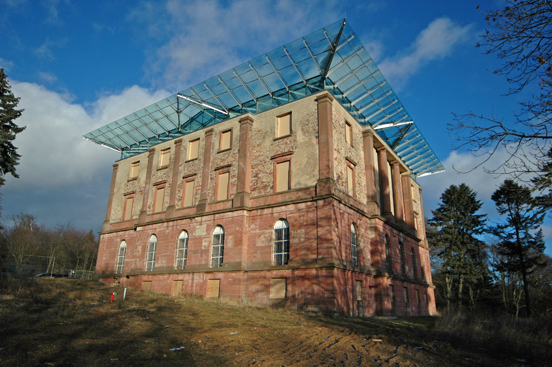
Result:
[{"x": 64, "y": 322}]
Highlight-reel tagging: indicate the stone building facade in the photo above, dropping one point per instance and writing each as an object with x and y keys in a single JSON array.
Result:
[{"x": 298, "y": 206}]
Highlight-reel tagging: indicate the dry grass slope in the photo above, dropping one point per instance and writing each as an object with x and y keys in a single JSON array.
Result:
[{"x": 64, "y": 322}]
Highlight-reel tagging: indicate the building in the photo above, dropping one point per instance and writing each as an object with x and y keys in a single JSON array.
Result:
[{"x": 289, "y": 180}]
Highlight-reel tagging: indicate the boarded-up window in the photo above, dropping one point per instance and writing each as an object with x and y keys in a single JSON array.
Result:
[
  {"x": 159, "y": 198},
  {"x": 392, "y": 295},
  {"x": 164, "y": 158},
  {"x": 418, "y": 301},
  {"x": 225, "y": 140},
  {"x": 222, "y": 189},
  {"x": 278, "y": 288},
  {"x": 387, "y": 254},
  {"x": 282, "y": 176},
  {"x": 127, "y": 211},
  {"x": 146, "y": 286},
  {"x": 406, "y": 299},
  {"x": 350, "y": 181},
  {"x": 189, "y": 193},
  {"x": 134, "y": 169},
  {"x": 213, "y": 288},
  {"x": 401, "y": 257},
  {"x": 414, "y": 263},
  {"x": 348, "y": 134},
  {"x": 193, "y": 151},
  {"x": 359, "y": 290},
  {"x": 284, "y": 125},
  {"x": 176, "y": 288}
]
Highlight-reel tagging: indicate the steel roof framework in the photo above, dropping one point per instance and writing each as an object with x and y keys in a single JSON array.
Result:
[{"x": 332, "y": 58}]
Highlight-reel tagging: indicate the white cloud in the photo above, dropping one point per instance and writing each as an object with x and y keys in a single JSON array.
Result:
[
  {"x": 207, "y": 37},
  {"x": 47, "y": 77},
  {"x": 53, "y": 152},
  {"x": 5, "y": 64},
  {"x": 435, "y": 42}
]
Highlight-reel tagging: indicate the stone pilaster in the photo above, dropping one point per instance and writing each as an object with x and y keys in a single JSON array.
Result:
[
  {"x": 204, "y": 195},
  {"x": 371, "y": 193},
  {"x": 384, "y": 185},
  {"x": 243, "y": 190},
  {"x": 326, "y": 180},
  {"x": 408, "y": 203},
  {"x": 397, "y": 193},
  {"x": 144, "y": 211},
  {"x": 105, "y": 225},
  {"x": 174, "y": 182}
]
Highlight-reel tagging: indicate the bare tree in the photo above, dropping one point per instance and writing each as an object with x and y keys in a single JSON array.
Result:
[{"x": 521, "y": 36}]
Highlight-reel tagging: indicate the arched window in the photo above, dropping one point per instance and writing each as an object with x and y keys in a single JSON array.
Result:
[
  {"x": 182, "y": 250},
  {"x": 387, "y": 254},
  {"x": 218, "y": 247},
  {"x": 414, "y": 263},
  {"x": 354, "y": 252},
  {"x": 121, "y": 258},
  {"x": 152, "y": 247},
  {"x": 281, "y": 242}
]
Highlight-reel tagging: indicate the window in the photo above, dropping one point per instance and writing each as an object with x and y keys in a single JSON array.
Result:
[
  {"x": 159, "y": 198},
  {"x": 387, "y": 254},
  {"x": 281, "y": 242},
  {"x": 282, "y": 176},
  {"x": 392, "y": 296},
  {"x": 426, "y": 299},
  {"x": 418, "y": 301},
  {"x": 225, "y": 140},
  {"x": 182, "y": 250},
  {"x": 354, "y": 252},
  {"x": 348, "y": 134},
  {"x": 121, "y": 258},
  {"x": 223, "y": 179},
  {"x": 164, "y": 158},
  {"x": 359, "y": 290},
  {"x": 284, "y": 126},
  {"x": 134, "y": 169},
  {"x": 127, "y": 210},
  {"x": 350, "y": 180},
  {"x": 414, "y": 263},
  {"x": 152, "y": 247},
  {"x": 406, "y": 299},
  {"x": 193, "y": 149},
  {"x": 218, "y": 247},
  {"x": 188, "y": 199},
  {"x": 401, "y": 254}
]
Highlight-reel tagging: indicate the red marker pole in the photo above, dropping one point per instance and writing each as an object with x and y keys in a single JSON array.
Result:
[{"x": 112, "y": 295}]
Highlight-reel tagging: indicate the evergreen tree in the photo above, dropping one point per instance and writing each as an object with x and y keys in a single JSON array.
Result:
[
  {"x": 521, "y": 241},
  {"x": 462, "y": 254},
  {"x": 8, "y": 129}
]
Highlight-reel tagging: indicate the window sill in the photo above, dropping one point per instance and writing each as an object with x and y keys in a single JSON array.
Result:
[
  {"x": 162, "y": 168},
  {"x": 282, "y": 137},
  {"x": 191, "y": 160},
  {"x": 224, "y": 150},
  {"x": 132, "y": 179}
]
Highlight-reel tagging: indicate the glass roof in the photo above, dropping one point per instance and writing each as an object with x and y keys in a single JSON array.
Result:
[{"x": 332, "y": 58}]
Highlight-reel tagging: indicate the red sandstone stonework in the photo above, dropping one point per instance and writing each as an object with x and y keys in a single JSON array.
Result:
[{"x": 320, "y": 274}]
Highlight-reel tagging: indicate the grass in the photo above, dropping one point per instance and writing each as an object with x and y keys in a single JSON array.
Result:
[
  {"x": 501, "y": 335},
  {"x": 65, "y": 322}
]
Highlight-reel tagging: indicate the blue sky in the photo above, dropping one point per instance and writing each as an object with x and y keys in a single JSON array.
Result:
[{"x": 79, "y": 65}]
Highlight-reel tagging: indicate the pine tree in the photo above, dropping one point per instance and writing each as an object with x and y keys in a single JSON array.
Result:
[
  {"x": 462, "y": 254},
  {"x": 8, "y": 129},
  {"x": 521, "y": 241}
]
